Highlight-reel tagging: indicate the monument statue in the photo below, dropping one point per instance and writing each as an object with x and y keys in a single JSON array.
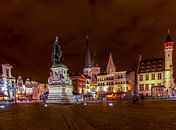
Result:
[
  {"x": 60, "y": 85},
  {"x": 57, "y": 52}
]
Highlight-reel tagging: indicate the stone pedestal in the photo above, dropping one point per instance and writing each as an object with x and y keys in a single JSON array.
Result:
[
  {"x": 61, "y": 95},
  {"x": 60, "y": 86}
]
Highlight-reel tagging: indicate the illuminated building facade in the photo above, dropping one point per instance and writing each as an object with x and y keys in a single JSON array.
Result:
[
  {"x": 151, "y": 76},
  {"x": 7, "y": 82},
  {"x": 28, "y": 89},
  {"x": 20, "y": 88},
  {"x": 90, "y": 72},
  {"x": 155, "y": 76},
  {"x": 35, "y": 90},
  {"x": 119, "y": 82},
  {"x": 79, "y": 83},
  {"x": 112, "y": 82}
]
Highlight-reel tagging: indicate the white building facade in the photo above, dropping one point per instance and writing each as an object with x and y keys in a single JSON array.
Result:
[
  {"x": 155, "y": 76},
  {"x": 151, "y": 74},
  {"x": 7, "y": 82}
]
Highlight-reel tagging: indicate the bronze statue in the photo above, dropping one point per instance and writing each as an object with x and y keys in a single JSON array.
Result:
[{"x": 57, "y": 52}]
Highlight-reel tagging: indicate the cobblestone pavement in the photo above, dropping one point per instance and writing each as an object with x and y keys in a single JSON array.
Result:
[{"x": 102, "y": 116}]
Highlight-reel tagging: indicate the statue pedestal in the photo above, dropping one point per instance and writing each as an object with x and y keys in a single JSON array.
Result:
[
  {"x": 60, "y": 86},
  {"x": 62, "y": 95}
]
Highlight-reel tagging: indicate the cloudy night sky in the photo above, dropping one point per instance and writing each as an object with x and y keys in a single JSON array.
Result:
[{"x": 127, "y": 28}]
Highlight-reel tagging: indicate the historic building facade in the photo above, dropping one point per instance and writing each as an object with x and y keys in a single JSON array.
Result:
[
  {"x": 106, "y": 83},
  {"x": 27, "y": 89},
  {"x": 113, "y": 83},
  {"x": 79, "y": 83},
  {"x": 7, "y": 84},
  {"x": 17, "y": 89},
  {"x": 90, "y": 72},
  {"x": 151, "y": 76},
  {"x": 155, "y": 76}
]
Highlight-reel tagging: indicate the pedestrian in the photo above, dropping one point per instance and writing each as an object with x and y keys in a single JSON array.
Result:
[{"x": 142, "y": 99}]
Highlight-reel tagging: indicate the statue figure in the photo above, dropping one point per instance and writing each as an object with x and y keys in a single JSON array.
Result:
[{"x": 57, "y": 52}]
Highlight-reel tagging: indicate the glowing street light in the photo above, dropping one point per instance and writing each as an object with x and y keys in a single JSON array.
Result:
[{"x": 110, "y": 104}]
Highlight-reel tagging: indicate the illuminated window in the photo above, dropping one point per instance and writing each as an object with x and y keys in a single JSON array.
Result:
[
  {"x": 152, "y": 85},
  {"x": 147, "y": 76},
  {"x": 159, "y": 84},
  {"x": 153, "y": 76},
  {"x": 141, "y": 87},
  {"x": 146, "y": 87},
  {"x": 140, "y": 77},
  {"x": 159, "y": 75}
]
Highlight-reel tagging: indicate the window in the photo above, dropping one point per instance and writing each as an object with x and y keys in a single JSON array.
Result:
[
  {"x": 159, "y": 84},
  {"x": 159, "y": 75},
  {"x": 141, "y": 87},
  {"x": 7, "y": 72},
  {"x": 140, "y": 77},
  {"x": 146, "y": 87},
  {"x": 152, "y": 85},
  {"x": 153, "y": 76},
  {"x": 147, "y": 76}
]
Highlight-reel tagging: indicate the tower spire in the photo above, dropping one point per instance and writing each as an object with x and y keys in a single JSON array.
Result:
[
  {"x": 168, "y": 31},
  {"x": 110, "y": 67},
  {"x": 94, "y": 59},
  {"x": 57, "y": 52},
  {"x": 168, "y": 38},
  {"x": 88, "y": 63}
]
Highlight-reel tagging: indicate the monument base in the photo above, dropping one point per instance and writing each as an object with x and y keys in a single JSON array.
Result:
[{"x": 61, "y": 95}]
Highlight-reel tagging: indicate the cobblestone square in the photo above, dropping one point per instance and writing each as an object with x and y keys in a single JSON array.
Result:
[{"x": 102, "y": 116}]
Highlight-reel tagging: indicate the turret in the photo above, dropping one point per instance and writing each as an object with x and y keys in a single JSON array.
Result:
[
  {"x": 110, "y": 67},
  {"x": 168, "y": 75}
]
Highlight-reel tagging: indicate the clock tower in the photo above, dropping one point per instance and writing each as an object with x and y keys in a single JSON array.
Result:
[{"x": 168, "y": 73}]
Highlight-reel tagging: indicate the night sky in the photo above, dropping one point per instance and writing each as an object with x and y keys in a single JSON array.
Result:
[{"x": 127, "y": 28}]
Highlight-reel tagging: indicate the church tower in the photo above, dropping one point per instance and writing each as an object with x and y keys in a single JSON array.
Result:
[
  {"x": 88, "y": 63},
  {"x": 110, "y": 67},
  {"x": 168, "y": 74}
]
